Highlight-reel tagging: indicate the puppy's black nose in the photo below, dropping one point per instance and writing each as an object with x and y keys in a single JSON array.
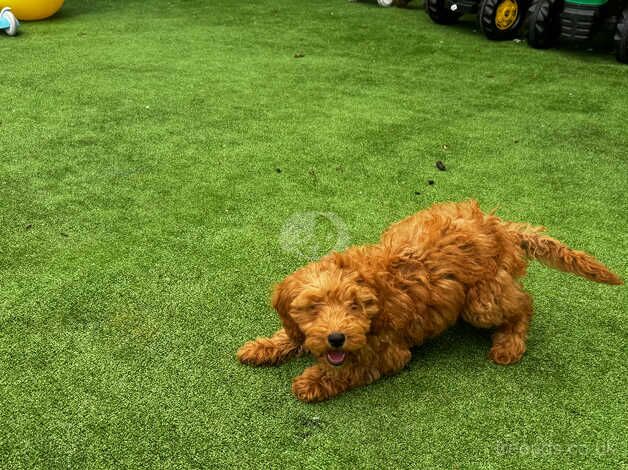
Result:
[{"x": 336, "y": 339}]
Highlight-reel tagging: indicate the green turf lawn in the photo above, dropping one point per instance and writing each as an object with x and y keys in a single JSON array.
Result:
[{"x": 141, "y": 220}]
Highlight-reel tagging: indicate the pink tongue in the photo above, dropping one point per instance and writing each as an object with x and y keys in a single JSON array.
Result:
[{"x": 336, "y": 357}]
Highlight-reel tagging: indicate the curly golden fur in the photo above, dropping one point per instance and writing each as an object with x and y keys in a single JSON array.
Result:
[{"x": 361, "y": 311}]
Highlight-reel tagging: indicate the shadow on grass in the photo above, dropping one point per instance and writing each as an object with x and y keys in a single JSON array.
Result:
[
  {"x": 598, "y": 49},
  {"x": 460, "y": 340}
]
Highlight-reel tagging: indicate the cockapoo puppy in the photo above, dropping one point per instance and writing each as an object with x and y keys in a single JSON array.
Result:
[{"x": 360, "y": 312}]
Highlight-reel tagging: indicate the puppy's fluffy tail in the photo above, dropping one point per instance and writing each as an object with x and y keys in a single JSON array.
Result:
[{"x": 555, "y": 254}]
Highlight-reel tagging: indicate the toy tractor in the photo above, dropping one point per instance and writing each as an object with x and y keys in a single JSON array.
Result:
[
  {"x": 498, "y": 19},
  {"x": 578, "y": 20}
]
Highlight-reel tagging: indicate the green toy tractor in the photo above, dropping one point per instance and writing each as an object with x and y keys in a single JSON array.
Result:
[
  {"x": 498, "y": 19},
  {"x": 578, "y": 20}
]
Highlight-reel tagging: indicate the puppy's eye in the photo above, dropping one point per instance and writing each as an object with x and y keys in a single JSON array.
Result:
[{"x": 355, "y": 307}]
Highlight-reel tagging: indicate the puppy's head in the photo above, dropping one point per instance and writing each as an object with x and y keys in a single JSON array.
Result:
[{"x": 334, "y": 312}]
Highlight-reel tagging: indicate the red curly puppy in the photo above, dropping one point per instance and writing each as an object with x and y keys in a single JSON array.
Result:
[{"x": 359, "y": 312}]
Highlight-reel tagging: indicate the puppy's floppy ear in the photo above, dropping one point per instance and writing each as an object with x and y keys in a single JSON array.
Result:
[{"x": 283, "y": 295}]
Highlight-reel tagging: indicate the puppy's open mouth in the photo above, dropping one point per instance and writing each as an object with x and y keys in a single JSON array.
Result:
[{"x": 336, "y": 358}]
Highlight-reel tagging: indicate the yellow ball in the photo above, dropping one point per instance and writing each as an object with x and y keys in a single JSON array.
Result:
[{"x": 33, "y": 9}]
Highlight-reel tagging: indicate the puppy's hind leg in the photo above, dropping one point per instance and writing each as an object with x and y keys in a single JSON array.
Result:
[
  {"x": 505, "y": 306},
  {"x": 509, "y": 339},
  {"x": 269, "y": 351}
]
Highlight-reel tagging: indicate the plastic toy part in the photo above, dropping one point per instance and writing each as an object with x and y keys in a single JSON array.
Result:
[
  {"x": 501, "y": 19},
  {"x": 27, "y": 10},
  {"x": 441, "y": 12},
  {"x": 8, "y": 22},
  {"x": 543, "y": 23},
  {"x": 497, "y": 19},
  {"x": 551, "y": 21}
]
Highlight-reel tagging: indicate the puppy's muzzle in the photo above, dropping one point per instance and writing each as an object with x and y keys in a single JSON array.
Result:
[{"x": 336, "y": 339}]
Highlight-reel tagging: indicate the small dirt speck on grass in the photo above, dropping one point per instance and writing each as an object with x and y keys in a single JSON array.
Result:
[
  {"x": 430, "y": 182},
  {"x": 28, "y": 226},
  {"x": 278, "y": 170},
  {"x": 440, "y": 165},
  {"x": 305, "y": 426},
  {"x": 299, "y": 55},
  {"x": 65, "y": 234},
  {"x": 417, "y": 193}
]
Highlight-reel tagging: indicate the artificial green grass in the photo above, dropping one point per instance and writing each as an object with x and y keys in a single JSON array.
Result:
[{"x": 152, "y": 154}]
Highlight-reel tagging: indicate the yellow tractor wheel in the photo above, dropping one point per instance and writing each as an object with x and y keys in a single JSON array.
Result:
[{"x": 501, "y": 19}]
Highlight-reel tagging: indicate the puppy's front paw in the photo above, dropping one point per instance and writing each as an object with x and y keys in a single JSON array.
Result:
[
  {"x": 508, "y": 352},
  {"x": 256, "y": 353},
  {"x": 309, "y": 389}
]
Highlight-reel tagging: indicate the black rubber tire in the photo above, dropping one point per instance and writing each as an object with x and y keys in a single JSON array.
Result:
[
  {"x": 439, "y": 13},
  {"x": 543, "y": 23},
  {"x": 486, "y": 20},
  {"x": 621, "y": 37}
]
